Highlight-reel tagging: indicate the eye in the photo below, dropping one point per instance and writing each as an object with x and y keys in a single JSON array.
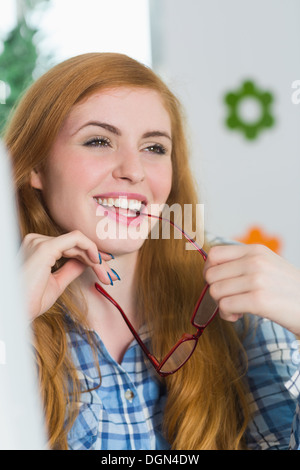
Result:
[
  {"x": 97, "y": 142},
  {"x": 156, "y": 148}
]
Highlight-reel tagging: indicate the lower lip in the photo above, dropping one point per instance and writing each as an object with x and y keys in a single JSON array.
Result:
[{"x": 115, "y": 214}]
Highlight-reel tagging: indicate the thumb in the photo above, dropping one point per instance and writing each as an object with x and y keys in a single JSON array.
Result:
[{"x": 68, "y": 273}]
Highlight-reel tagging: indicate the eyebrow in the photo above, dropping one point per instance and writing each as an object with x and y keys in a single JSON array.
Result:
[{"x": 116, "y": 131}]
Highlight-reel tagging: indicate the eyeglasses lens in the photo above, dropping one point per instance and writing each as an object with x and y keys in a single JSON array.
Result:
[
  {"x": 206, "y": 310},
  {"x": 179, "y": 356}
]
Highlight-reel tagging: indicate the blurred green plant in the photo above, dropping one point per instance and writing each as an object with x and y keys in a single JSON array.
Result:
[{"x": 18, "y": 59}]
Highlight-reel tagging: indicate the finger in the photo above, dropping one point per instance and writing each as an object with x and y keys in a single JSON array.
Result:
[
  {"x": 106, "y": 274},
  {"x": 51, "y": 249},
  {"x": 62, "y": 244},
  {"x": 227, "y": 270},
  {"x": 105, "y": 256},
  {"x": 77, "y": 239},
  {"x": 237, "y": 305},
  {"x": 224, "y": 253},
  {"x": 81, "y": 255},
  {"x": 230, "y": 287},
  {"x": 86, "y": 252},
  {"x": 84, "y": 243},
  {"x": 68, "y": 273},
  {"x": 231, "y": 318}
]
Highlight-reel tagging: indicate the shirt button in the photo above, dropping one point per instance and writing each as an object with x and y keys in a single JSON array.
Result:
[{"x": 129, "y": 395}]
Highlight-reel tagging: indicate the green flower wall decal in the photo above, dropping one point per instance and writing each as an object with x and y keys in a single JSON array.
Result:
[{"x": 249, "y": 95}]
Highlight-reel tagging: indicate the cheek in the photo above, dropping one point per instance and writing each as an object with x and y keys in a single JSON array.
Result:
[
  {"x": 163, "y": 181},
  {"x": 69, "y": 177}
]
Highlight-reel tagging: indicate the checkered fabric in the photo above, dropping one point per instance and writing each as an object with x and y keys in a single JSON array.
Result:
[{"x": 125, "y": 412}]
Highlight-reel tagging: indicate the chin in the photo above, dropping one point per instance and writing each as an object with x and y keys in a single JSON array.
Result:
[
  {"x": 118, "y": 238},
  {"x": 120, "y": 247}
]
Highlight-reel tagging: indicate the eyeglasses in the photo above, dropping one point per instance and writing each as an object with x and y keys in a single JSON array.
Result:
[{"x": 204, "y": 312}]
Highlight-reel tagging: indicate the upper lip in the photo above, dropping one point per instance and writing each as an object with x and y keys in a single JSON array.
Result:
[{"x": 116, "y": 195}]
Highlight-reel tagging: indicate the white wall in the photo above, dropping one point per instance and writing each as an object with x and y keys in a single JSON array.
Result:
[
  {"x": 21, "y": 424},
  {"x": 205, "y": 49}
]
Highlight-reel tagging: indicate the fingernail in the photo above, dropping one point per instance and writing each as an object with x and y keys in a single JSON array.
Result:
[
  {"x": 110, "y": 278},
  {"x": 112, "y": 256},
  {"x": 116, "y": 274},
  {"x": 100, "y": 258}
]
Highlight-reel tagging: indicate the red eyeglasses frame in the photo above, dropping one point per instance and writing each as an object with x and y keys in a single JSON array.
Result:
[{"x": 158, "y": 365}]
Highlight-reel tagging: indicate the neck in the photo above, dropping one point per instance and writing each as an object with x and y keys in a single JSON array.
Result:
[{"x": 103, "y": 317}]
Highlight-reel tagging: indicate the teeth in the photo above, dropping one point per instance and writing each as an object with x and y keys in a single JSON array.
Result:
[
  {"x": 134, "y": 205},
  {"x": 122, "y": 203}
]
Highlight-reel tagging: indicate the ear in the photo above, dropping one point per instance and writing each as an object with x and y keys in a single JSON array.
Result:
[{"x": 36, "y": 179}]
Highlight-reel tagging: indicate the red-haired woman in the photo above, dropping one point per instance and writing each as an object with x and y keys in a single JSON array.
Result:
[{"x": 97, "y": 143}]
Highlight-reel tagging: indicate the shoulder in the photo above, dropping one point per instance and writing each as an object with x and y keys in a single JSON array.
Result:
[
  {"x": 273, "y": 365},
  {"x": 269, "y": 347},
  {"x": 263, "y": 336}
]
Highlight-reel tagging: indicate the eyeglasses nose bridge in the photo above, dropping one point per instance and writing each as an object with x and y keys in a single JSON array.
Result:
[{"x": 199, "y": 332}]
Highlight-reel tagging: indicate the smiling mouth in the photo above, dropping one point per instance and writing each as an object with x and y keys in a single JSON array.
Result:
[{"x": 122, "y": 205}]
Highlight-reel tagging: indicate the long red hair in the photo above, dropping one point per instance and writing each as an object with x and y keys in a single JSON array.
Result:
[{"x": 206, "y": 406}]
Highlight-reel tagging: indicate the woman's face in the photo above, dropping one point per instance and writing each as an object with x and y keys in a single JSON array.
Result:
[{"x": 111, "y": 159}]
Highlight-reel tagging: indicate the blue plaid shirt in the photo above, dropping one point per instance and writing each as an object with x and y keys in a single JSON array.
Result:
[{"x": 126, "y": 411}]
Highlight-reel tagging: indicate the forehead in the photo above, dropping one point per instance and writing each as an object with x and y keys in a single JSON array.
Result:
[{"x": 121, "y": 106}]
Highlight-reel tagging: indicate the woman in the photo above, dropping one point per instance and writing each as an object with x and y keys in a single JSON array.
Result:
[{"x": 93, "y": 131}]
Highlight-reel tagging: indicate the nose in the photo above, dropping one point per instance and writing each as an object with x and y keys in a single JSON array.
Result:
[{"x": 129, "y": 167}]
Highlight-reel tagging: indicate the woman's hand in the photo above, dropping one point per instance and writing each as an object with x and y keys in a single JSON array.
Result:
[
  {"x": 40, "y": 253},
  {"x": 253, "y": 279}
]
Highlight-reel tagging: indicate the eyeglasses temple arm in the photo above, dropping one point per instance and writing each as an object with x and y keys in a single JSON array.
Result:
[
  {"x": 128, "y": 323},
  {"x": 191, "y": 240}
]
